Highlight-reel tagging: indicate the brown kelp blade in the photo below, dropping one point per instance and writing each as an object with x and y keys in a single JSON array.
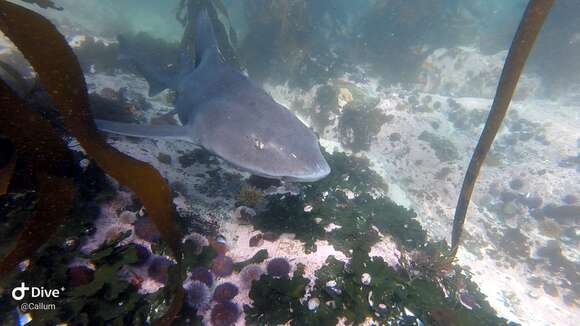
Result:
[
  {"x": 14, "y": 79},
  {"x": 24, "y": 126},
  {"x": 56, "y": 195},
  {"x": 6, "y": 175},
  {"x": 530, "y": 25},
  {"x": 61, "y": 75}
]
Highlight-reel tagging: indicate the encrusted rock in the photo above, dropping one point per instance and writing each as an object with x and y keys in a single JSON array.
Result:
[{"x": 256, "y": 240}]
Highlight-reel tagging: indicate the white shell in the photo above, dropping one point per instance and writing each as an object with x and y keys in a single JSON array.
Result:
[
  {"x": 365, "y": 279},
  {"x": 331, "y": 284},
  {"x": 313, "y": 303}
]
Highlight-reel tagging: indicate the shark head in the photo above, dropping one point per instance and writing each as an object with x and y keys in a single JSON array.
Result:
[{"x": 270, "y": 142}]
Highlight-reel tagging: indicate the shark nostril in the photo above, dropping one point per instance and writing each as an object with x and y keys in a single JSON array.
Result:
[{"x": 258, "y": 144}]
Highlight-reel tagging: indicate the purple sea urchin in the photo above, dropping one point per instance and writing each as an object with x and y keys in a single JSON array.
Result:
[
  {"x": 570, "y": 199},
  {"x": 222, "y": 266},
  {"x": 250, "y": 273},
  {"x": 516, "y": 183},
  {"x": 202, "y": 274},
  {"x": 198, "y": 240},
  {"x": 159, "y": 268},
  {"x": 198, "y": 294},
  {"x": 146, "y": 230},
  {"x": 278, "y": 267},
  {"x": 225, "y": 314},
  {"x": 80, "y": 275},
  {"x": 143, "y": 255},
  {"x": 225, "y": 292}
]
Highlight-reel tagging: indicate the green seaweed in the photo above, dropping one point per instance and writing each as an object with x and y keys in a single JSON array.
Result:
[
  {"x": 285, "y": 214},
  {"x": 191, "y": 260},
  {"x": 330, "y": 204},
  {"x": 327, "y": 101},
  {"x": 415, "y": 286},
  {"x": 386, "y": 298},
  {"x": 355, "y": 234},
  {"x": 107, "y": 298},
  {"x": 257, "y": 258},
  {"x": 109, "y": 259},
  {"x": 359, "y": 124},
  {"x": 275, "y": 299},
  {"x": 347, "y": 172}
]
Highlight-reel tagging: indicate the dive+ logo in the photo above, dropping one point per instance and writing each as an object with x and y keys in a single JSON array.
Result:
[{"x": 20, "y": 292}]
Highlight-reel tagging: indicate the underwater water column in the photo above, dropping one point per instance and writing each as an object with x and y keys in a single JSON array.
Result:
[{"x": 524, "y": 39}]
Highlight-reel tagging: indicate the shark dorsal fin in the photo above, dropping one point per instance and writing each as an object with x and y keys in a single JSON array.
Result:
[{"x": 206, "y": 47}]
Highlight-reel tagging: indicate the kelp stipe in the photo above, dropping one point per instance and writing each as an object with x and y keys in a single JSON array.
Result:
[
  {"x": 529, "y": 28},
  {"x": 62, "y": 78}
]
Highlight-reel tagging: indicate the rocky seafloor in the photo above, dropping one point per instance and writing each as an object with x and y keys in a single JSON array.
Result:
[{"x": 360, "y": 246}]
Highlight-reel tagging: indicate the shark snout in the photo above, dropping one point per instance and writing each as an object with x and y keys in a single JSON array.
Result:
[{"x": 317, "y": 171}]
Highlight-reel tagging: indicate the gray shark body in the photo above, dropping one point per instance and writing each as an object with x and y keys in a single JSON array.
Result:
[{"x": 223, "y": 111}]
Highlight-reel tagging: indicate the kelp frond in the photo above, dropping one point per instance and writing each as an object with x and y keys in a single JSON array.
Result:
[
  {"x": 60, "y": 74},
  {"x": 46, "y": 158}
]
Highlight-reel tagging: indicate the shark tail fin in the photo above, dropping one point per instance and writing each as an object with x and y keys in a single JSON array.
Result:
[
  {"x": 206, "y": 45},
  {"x": 144, "y": 131},
  {"x": 157, "y": 77}
]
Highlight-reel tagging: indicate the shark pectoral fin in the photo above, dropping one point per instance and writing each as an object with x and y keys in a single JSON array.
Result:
[
  {"x": 169, "y": 114},
  {"x": 144, "y": 131},
  {"x": 156, "y": 86}
]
